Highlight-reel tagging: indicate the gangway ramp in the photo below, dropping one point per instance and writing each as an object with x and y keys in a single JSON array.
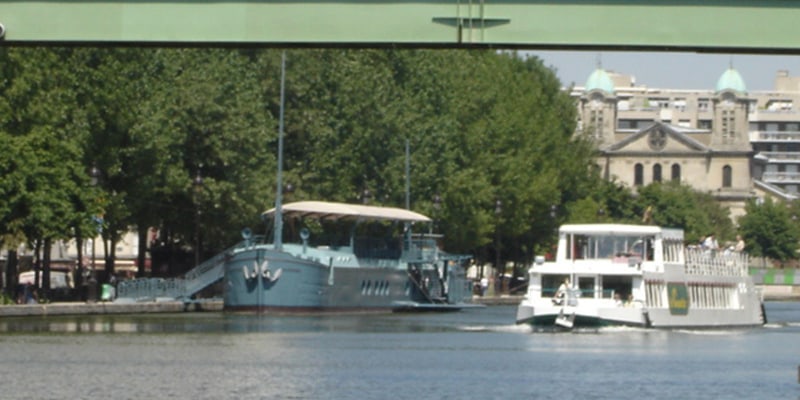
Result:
[{"x": 168, "y": 289}]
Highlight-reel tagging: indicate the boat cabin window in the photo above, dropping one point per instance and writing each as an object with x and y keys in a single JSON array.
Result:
[
  {"x": 618, "y": 248},
  {"x": 550, "y": 284},
  {"x": 586, "y": 286},
  {"x": 618, "y": 287}
]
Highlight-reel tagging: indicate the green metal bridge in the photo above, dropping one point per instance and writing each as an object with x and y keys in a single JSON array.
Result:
[{"x": 731, "y": 26}]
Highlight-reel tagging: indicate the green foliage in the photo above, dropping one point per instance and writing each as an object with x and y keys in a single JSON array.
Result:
[
  {"x": 770, "y": 229},
  {"x": 482, "y": 127},
  {"x": 678, "y": 205},
  {"x": 670, "y": 205}
]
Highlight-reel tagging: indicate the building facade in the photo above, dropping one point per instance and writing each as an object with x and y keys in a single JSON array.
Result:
[{"x": 727, "y": 142}]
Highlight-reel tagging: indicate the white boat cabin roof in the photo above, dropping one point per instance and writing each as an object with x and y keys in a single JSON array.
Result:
[
  {"x": 342, "y": 211},
  {"x": 621, "y": 230}
]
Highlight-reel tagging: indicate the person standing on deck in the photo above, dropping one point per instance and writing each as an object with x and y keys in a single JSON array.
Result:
[
  {"x": 561, "y": 293},
  {"x": 711, "y": 243},
  {"x": 739, "y": 244}
]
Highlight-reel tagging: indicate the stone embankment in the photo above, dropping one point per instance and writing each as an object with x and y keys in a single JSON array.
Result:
[
  {"x": 781, "y": 292},
  {"x": 771, "y": 293},
  {"x": 79, "y": 308}
]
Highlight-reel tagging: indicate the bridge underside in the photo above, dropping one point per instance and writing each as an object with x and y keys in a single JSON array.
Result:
[{"x": 750, "y": 26}]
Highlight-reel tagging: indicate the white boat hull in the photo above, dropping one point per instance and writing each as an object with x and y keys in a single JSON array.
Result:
[
  {"x": 589, "y": 316},
  {"x": 661, "y": 284}
]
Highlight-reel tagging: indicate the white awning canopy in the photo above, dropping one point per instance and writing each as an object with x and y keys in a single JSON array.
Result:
[{"x": 342, "y": 211}]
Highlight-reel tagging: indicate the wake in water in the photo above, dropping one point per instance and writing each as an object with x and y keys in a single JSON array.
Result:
[
  {"x": 711, "y": 332},
  {"x": 783, "y": 325},
  {"x": 524, "y": 328},
  {"x": 620, "y": 328}
]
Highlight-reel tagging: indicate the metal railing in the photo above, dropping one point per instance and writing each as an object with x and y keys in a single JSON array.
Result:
[
  {"x": 781, "y": 155},
  {"x": 715, "y": 262},
  {"x": 789, "y": 136},
  {"x": 183, "y": 287},
  {"x": 781, "y": 177}
]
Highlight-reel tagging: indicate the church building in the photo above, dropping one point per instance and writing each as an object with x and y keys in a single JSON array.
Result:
[{"x": 698, "y": 137}]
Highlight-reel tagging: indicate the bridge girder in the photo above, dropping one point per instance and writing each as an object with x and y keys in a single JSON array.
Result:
[{"x": 749, "y": 26}]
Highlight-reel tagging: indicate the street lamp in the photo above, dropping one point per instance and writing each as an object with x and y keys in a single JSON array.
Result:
[
  {"x": 198, "y": 186},
  {"x": 365, "y": 195},
  {"x": 498, "y": 209},
  {"x": 94, "y": 176},
  {"x": 437, "y": 203}
]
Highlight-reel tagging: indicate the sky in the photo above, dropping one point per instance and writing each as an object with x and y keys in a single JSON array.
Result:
[{"x": 670, "y": 70}]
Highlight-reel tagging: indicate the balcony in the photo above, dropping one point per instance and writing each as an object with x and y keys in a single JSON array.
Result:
[
  {"x": 774, "y": 116},
  {"x": 775, "y": 136},
  {"x": 781, "y": 178},
  {"x": 782, "y": 157}
]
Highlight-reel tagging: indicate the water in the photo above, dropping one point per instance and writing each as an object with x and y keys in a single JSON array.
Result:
[{"x": 474, "y": 354}]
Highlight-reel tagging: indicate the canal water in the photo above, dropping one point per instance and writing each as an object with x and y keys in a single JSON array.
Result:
[{"x": 473, "y": 354}]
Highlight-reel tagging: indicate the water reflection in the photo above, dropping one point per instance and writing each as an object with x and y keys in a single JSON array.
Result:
[
  {"x": 493, "y": 319},
  {"x": 251, "y": 323}
]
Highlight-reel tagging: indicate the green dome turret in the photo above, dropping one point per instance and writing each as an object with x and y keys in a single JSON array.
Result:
[
  {"x": 599, "y": 80},
  {"x": 731, "y": 80}
]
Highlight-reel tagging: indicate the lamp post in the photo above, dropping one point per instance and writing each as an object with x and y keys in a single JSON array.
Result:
[
  {"x": 365, "y": 195},
  {"x": 498, "y": 209},
  {"x": 94, "y": 175},
  {"x": 437, "y": 204},
  {"x": 197, "y": 182}
]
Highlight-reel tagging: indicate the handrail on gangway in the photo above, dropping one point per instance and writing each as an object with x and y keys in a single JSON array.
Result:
[{"x": 179, "y": 288}]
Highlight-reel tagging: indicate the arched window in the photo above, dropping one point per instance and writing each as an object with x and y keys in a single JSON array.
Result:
[
  {"x": 657, "y": 173},
  {"x": 676, "y": 172},
  {"x": 727, "y": 176},
  {"x": 638, "y": 175}
]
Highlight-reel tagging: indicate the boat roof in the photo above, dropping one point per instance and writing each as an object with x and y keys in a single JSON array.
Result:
[
  {"x": 617, "y": 229},
  {"x": 343, "y": 211}
]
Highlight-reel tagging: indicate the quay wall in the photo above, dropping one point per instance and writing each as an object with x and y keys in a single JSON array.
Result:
[
  {"x": 79, "y": 308},
  {"x": 771, "y": 293}
]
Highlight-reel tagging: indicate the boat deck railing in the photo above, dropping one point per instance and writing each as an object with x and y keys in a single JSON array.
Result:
[{"x": 717, "y": 263}]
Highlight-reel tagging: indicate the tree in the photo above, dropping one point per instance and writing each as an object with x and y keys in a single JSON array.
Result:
[
  {"x": 482, "y": 126},
  {"x": 678, "y": 205},
  {"x": 44, "y": 130},
  {"x": 769, "y": 230}
]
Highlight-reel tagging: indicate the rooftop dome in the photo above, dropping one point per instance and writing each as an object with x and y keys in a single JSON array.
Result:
[
  {"x": 731, "y": 80},
  {"x": 599, "y": 80}
]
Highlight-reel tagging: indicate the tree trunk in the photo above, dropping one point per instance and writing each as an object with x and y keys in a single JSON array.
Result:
[
  {"x": 78, "y": 275},
  {"x": 37, "y": 264},
  {"x": 109, "y": 245},
  {"x": 11, "y": 274},
  {"x": 141, "y": 257},
  {"x": 48, "y": 244}
]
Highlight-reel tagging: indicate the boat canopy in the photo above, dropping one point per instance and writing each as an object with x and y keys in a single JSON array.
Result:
[
  {"x": 621, "y": 229},
  {"x": 342, "y": 211}
]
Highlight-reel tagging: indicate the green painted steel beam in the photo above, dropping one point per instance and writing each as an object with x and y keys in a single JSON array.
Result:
[{"x": 754, "y": 26}]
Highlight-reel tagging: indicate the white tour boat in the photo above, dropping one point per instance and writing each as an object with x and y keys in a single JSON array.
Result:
[{"x": 644, "y": 276}]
